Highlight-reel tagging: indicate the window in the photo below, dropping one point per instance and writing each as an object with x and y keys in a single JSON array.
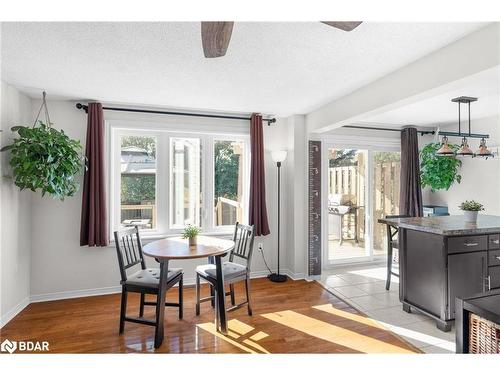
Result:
[
  {"x": 185, "y": 182},
  {"x": 138, "y": 181},
  {"x": 229, "y": 163},
  {"x": 163, "y": 180}
]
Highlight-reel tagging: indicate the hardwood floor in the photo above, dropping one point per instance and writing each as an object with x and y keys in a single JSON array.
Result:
[{"x": 292, "y": 317}]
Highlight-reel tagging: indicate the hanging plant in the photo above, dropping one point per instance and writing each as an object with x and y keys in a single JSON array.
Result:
[
  {"x": 438, "y": 172},
  {"x": 45, "y": 159}
]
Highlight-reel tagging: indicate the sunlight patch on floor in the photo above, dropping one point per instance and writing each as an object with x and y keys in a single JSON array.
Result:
[
  {"x": 347, "y": 315},
  {"x": 422, "y": 337},
  {"x": 237, "y": 335},
  {"x": 332, "y": 333},
  {"x": 378, "y": 273}
]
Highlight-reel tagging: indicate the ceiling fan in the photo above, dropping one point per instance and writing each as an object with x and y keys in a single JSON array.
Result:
[{"x": 215, "y": 36}]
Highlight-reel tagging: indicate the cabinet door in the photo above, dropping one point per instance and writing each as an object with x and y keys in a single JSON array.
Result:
[{"x": 466, "y": 276}]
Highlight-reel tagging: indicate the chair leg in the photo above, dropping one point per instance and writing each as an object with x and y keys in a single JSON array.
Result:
[
  {"x": 212, "y": 294},
  {"x": 181, "y": 308},
  {"x": 231, "y": 289},
  {"x": 123, "y": 310},
  {"x": 389, "y": 267},
  {"x": 247, "y": 287},
  {"x": 141, "y": 306},
  {"x": 197, "y": 295}
]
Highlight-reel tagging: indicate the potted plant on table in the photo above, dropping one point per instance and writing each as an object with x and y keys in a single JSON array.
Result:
[
  {"x": 191, "y": 233},
  {"x": 470, "y": 209}
]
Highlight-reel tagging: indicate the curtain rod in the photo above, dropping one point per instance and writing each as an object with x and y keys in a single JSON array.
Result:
[
  {"x": 85, "y": 108},
  {"x": 421, "y": 132}
]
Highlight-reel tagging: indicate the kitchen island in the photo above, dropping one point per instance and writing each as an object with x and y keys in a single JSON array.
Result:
[{"x": 442, "y": 258}]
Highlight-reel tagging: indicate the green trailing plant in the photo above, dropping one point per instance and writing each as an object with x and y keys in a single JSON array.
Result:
[
  {"x": 438, "y": 172},
  {"x": 191, "y": 231},
  {"x": 471, "y": 206},
  {"x": 45, "y": 159}
]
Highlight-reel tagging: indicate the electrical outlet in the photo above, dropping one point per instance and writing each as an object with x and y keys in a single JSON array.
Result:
[{"x": 260, "y": 246}]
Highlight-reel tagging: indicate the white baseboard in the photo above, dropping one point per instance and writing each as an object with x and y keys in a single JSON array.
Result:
[
  {"x": 109, "y": 290},
  {"x": 75, "y": 294},
  {"x": 9, "y": 315}
]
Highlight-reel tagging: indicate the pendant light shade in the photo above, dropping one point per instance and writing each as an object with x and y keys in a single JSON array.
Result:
[
  {"x": 483, "y": 150},
  {"x": 464, "y": 149},
  {"x": 445, "y": 149}
]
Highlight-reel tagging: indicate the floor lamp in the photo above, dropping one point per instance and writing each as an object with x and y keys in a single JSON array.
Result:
[{"x": 278, "y": 158}]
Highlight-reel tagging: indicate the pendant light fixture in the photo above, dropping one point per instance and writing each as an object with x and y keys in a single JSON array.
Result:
[
  {"x": 464, "y": 150},
  {"x": 483, "y": 151},
  {"x": 445, "y": 149}
]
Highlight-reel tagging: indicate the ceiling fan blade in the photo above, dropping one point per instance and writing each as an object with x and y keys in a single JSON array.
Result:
[
  {"x": 215, "y": 37},
  {"x": 346, "y": 26}
]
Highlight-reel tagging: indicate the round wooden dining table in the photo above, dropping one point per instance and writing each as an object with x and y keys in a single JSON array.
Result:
[{"x": 177, "y": 248}]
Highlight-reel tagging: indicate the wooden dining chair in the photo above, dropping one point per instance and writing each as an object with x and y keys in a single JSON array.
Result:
[
  {"x": 232, "y": 272},
  {"x": 144, "y": 281},
  {"x": 392, "y": 243}
]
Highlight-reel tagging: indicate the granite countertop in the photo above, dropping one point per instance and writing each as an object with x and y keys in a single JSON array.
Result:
[{"x": 448, "y": 225}]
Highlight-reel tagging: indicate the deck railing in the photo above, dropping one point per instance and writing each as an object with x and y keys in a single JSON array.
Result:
[{"x": 142, "y": 216}]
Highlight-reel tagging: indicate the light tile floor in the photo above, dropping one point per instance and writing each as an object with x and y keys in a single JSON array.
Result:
[{"x": 363, "y": 286}]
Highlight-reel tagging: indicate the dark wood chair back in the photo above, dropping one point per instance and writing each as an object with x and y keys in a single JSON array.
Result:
[
  {"x": 243, "y": 243},
  {"x": 129, "y": 250}
]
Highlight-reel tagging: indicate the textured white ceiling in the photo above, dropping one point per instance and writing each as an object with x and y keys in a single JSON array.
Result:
[
  {"x": 274, "y": 68},
  {"x": 440, "y": 110}
]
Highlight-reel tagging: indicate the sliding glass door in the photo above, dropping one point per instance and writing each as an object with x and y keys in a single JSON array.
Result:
[
  {"x": 347, "y": 183},
  {"x": 362, "y": 186}
]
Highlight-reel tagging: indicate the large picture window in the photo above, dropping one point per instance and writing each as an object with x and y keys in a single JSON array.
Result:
[{"x": 163, "y": 181}]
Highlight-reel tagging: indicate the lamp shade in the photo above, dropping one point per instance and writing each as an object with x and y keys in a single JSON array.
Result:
[
  {"x": 464, "y": 149},
  {"x": 483, "y": 150},
  {"x": 445, "y": 149},
  {"x": 278, "y": 156}
]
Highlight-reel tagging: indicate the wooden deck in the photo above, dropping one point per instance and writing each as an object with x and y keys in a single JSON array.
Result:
[{"x": 292, "y": 317}]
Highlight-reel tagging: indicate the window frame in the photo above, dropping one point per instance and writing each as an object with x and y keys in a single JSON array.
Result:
[{"x": 164, "y": 133}]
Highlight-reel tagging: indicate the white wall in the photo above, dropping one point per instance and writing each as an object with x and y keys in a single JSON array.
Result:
[
  {"x": 480, "y": 178},
  {"x": 15, "y": 233},
  {"x": 62, "y": 268}
]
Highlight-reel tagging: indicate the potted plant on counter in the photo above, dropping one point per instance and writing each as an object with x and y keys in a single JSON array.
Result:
[
  {"x": 191, "y": 233},
  {"x": 470, "y": 209}
]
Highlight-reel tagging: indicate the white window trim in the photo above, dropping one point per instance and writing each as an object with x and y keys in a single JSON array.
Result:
[{"x": 163, "y": 134}]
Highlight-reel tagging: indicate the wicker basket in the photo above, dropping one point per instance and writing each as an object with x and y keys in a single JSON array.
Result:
[{"x": 484, "y": 336}]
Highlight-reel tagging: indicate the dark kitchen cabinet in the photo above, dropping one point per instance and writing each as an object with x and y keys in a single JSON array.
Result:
[
  {"x": 435, "y": 269},
  {"x": 467, "y": 275}
]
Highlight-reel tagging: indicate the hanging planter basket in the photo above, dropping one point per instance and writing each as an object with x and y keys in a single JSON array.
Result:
[{"x": 45, "y": 159}]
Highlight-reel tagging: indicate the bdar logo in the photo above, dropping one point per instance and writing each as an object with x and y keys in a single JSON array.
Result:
[{"x": 8, "y": 346}]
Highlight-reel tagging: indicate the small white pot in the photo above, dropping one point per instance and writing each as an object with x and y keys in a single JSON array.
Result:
[
  {"x": 470, "y": 216},
  {"x": 193, "y": 241}
]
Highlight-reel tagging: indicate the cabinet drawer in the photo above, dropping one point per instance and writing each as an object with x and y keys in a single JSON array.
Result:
[
  {"x": 494, "y": 258},
  {"x": 494, "y": 241},
  {"x": 494, "y": 277},
  {"x": 466, "y": 244}
]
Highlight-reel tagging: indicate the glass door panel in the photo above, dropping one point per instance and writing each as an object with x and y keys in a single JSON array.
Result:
[
  {"x": 347, "y": 208},
  {"x": 385, "y": 194}
]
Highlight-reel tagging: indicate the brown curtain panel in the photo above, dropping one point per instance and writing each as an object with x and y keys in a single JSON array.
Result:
[
  {"x": 94, "y": 219},
  {"x": 410, "y": 199},
  {"x": 257, "y": 206}
]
